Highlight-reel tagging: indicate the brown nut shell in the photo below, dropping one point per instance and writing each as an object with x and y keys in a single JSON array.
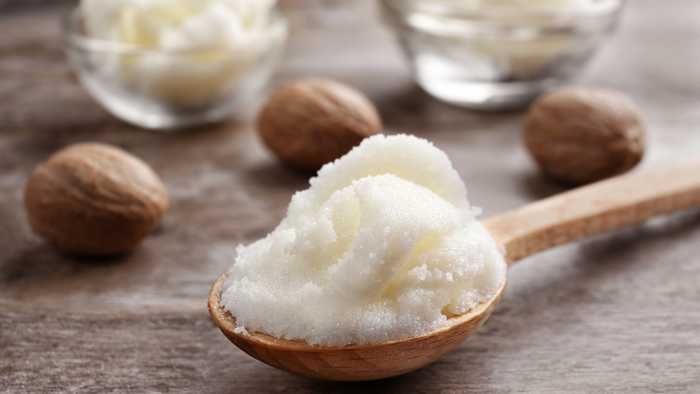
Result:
[
  {"x": 94, "y": 199},
  {"x": 581, "y": 135},
  {"x": 311, "y": 122}
]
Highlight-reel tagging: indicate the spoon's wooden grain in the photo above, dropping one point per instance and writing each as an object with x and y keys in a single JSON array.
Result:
[
  {"x": 601, "y": 207},
  {"x": 348, "y": 363},
  {"x": 595, "y": 209}
]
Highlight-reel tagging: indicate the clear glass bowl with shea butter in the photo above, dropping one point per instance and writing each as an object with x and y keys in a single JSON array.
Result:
[
  {"x": 498, "y": 54},
  {"x": 170, "y": 64}
]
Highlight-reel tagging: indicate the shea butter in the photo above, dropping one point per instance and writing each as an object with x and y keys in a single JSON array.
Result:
[
  {"x": 383, "y": 245},
  {"x": 185, "y": 53},
  {"x": 498, "y": 54}
]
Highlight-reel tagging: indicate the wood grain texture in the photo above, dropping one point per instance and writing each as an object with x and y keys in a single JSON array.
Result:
[
  {"x": 595, "y": 209},
  {"x": 617, "y": 313}
]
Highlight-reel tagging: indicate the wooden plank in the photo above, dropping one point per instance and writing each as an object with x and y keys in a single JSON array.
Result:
[{"x": 618, "y": 313}]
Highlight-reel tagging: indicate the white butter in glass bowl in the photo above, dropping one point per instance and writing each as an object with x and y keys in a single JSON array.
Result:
[
  {"x": 498, "y": 54},
  {"x": 171, "y": 63}
]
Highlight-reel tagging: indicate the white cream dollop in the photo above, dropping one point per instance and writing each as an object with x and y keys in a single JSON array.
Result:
[
  {"x": 187, "y": 53},
  {"x": 383, "y": 245}
]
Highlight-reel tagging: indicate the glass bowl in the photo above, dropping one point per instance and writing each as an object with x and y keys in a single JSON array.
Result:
[
  {"x": 164, "y": 90},
  {"x": 498, "y": 55}
]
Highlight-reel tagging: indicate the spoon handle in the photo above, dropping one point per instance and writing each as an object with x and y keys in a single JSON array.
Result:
[{"x": 594, "y": 209}]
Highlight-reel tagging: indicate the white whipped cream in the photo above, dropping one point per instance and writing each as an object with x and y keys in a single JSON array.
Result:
[{"x": 383, "y": 245}]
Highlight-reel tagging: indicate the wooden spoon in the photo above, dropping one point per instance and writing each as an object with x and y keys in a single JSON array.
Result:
[{"x": 608, "y": 205}]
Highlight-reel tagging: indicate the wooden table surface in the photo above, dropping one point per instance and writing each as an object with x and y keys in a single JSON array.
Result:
[{"x": 618, "y": 313}]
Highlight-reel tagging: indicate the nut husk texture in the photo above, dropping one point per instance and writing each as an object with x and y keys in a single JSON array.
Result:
[
  {"x": 581, "y": 135},
  {"x": 94, "y": 199},
  {"x": 311, "y": 122}
]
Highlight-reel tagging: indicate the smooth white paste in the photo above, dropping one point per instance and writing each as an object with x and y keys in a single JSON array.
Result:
[{"x": 383, "y": 245}]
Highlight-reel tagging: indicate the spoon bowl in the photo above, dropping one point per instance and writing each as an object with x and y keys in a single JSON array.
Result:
[
  {"x": 595, "y": 209},
  {"x": 352, "y": 362}
]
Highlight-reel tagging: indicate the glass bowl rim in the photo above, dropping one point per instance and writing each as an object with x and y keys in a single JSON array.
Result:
[
  {"x": 456, "y": 12},
  {"x": 74, "y": 38}
]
